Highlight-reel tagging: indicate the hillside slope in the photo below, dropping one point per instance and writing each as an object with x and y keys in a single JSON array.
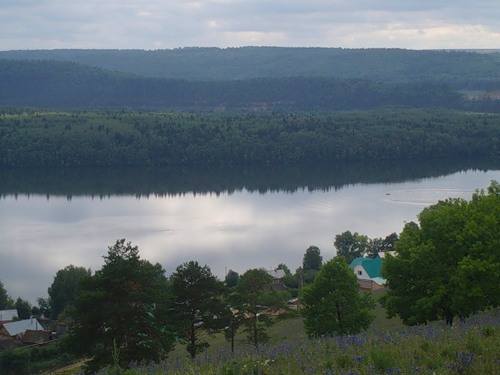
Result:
[
  {"x": 464, "y": 69},
  {"x": 64, "y": 85}
]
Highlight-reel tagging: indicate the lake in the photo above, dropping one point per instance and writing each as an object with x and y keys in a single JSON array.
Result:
[{"x": 229, "y": 218}]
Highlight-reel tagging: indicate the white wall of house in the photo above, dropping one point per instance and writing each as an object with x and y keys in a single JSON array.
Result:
[{"x": 361, "y": 273}]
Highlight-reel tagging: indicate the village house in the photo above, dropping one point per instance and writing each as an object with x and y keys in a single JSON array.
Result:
[
  {"x": 278, "y": 283},
  {"x": 17, "y": 329},
  {"x": 369, "y": 272},
  {"x": 22, "y": 332}
]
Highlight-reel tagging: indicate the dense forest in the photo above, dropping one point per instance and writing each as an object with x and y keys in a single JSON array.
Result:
[
  {"x": 202, "y": 64},
  {"x": 167, "y": 139},
  {"x": 246, "y": 106},
  {"x": 64, "y": 85},
  {"x": 250, "y": 78}
]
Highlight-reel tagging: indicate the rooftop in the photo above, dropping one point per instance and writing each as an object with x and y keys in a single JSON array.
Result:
[
  {"x": 372, "y": 266},
  {"x": 21, "y": 326},
  {"x": 277, "y": 274}
]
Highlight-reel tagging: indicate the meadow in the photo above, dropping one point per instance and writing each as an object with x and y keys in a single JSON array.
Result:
[{"x": 470, "y": 347}]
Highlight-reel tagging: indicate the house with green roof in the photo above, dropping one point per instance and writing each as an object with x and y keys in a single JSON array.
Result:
[{"x": 369, "y": 272}]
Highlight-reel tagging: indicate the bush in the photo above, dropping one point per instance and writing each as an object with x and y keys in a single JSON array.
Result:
[
  {"x": 22, "y": 361},
  {"x": 15, "y": 362},
  {"x": 488, "y": 331}
]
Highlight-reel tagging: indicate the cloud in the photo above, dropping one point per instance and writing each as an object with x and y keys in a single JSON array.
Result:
[{"x": 172, "y": 23}]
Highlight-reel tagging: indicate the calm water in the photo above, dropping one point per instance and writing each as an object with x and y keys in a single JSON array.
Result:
[{"x": 227, "y": 218}]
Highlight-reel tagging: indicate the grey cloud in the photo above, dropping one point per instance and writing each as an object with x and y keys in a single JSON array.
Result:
[{"x": 161, "y": 24}]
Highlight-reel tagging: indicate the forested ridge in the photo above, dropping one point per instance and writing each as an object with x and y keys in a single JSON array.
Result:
[
  {"x": 216, "y": 64},
  {"x": 251, "y": 106},
  {"x": 132, "y": 138},
  {"x": 63, "y": 85},
  {"x": 256, "y": 78}
]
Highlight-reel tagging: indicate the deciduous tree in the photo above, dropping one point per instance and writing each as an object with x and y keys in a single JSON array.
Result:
[
  {"x": 312, "y": 259},
  {"x": 351, "y": 245},
  {"x": 65, "y": 288},
  {"x": 448, "y": 265},
  {"x": 333, "y": 303},
  {"x": 23, "y": 308},
  {"x": 380, "y": 245}
]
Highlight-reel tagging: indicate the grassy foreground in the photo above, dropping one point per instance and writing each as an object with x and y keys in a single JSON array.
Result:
[{"x": 470, "y": 347}]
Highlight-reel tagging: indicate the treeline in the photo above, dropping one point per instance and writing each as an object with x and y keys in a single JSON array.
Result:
[
  {"x": 211, "y": 64},
  {"x": 61, "y": 85},
  {"x": 161, "y": 139}
]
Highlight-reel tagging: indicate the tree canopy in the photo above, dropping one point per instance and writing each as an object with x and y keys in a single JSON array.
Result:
[
  {"x": 380, "y": 245},
  {"x": 312, "y": 259},
  {"x": 232, "y": 279},
  {"x": 125, "y": 306},
  {"x": 65, "y": 288},
  {"x": 351, "y": 245},
  {"x": 64, "y": 85},
  {"x": 23, "y": 308},
  {"x": 198, "y": 306},
  {"x": 333, "y": 303},
  {"x": 253, "y": 289},
  {"x": 5, "y": 301},
  {"x": 447, "y": 265},
  {"x": 209, "y": 64},
  {"x": 69, "y": 139}
]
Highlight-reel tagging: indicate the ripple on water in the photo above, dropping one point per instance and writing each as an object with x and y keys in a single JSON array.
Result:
[{"x": 425, "y": 196}]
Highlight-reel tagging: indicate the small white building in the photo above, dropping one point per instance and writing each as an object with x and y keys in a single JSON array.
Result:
[{"x": 368, "y": 272}]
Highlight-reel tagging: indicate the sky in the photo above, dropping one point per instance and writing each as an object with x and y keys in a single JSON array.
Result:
[{"x": 156, "y": 24}]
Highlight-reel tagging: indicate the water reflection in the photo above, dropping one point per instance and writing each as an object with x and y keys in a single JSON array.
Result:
[
  {"x": 220, "y": 219},
  {"x": 145, "y": 182}
]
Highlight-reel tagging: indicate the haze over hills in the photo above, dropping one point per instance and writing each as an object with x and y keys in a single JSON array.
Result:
[
  {"x": 413, "y": 98},
  {"x": 255, "y": 78},
  {"x": 74, "y": 86},
  {"x": 208, "y": 64}
]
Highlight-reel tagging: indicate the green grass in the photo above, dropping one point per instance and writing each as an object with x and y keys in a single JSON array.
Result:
[
  {"x": 467, "y": 348},
  {"x": 387, "y": 347},
  {"x": 288, "y": 329}
]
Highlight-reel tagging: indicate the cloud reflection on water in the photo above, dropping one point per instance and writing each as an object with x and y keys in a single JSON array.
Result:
[{"x": 240, "y": 230}]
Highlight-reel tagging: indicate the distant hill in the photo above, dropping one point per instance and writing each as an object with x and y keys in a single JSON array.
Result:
[
  {"x": 67, "y": 85},
  {"x": 472, "y": 69}
]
